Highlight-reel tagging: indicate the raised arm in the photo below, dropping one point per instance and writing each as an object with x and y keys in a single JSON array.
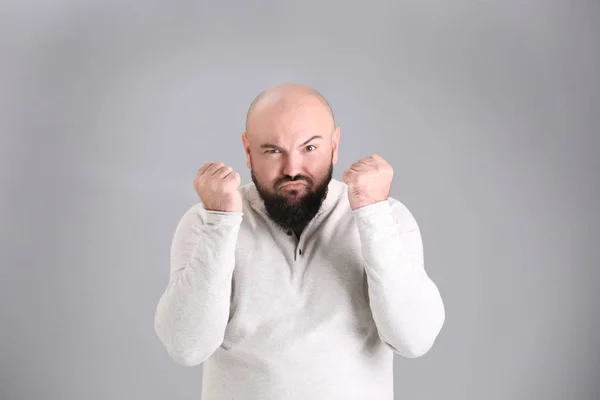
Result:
[
  {"x": 406, "y": 305},
  {"x": 192, "y": 313}
]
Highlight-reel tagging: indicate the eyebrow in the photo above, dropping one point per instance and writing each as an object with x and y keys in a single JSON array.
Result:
[{"x": 272, "y": 146}]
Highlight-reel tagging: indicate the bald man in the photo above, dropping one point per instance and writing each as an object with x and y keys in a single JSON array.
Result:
[{"x": 297, "y": 286}]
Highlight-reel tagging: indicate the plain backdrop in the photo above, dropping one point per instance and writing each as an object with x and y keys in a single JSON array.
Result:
[{"x": 487, "y": 110}]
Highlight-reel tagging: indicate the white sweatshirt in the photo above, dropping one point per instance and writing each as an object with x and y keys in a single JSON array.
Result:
[{"x": 275, "y": 317}]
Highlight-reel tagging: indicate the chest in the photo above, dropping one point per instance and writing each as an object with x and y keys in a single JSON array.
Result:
[{"x": 283, "y": 285}]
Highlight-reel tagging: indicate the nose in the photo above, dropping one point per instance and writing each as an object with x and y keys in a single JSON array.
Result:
[{"x": 292, "y": 165}]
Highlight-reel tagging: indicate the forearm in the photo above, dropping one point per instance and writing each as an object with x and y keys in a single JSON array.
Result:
[
  {"x": 192, "y": 313},
  {"x": 406, "y": 304}
]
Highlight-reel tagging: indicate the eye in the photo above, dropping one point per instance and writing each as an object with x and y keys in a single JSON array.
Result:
[
  {"x": 272, "y": 151},
  {"x": 308, "y": 148}
]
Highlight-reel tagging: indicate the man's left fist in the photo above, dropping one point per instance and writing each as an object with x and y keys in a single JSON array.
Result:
[{"x": 369, "y": 181}]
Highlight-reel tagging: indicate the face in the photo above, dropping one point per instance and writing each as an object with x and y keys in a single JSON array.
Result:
[{"x": 291, "y": 150}]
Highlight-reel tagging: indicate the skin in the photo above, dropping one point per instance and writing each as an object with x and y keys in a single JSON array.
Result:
[{"x": 280, "y": 143}]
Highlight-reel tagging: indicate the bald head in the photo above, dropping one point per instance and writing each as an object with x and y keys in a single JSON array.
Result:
[{"x": 285, "y": 96}]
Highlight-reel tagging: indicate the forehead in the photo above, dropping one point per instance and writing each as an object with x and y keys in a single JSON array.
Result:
[{"x": 290, "y": 120}]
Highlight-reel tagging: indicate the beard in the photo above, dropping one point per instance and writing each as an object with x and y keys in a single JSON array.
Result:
[{"x": 295, "y": 214}]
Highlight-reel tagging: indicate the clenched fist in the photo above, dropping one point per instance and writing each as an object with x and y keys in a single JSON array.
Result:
[
  {"x": 369, "y": 181},
  {"x": 217, "y": 186}
]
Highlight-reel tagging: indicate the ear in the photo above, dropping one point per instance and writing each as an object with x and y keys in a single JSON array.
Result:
[
  {"x": 246, "y": 144},
  {"x": 335, "y": 142}
]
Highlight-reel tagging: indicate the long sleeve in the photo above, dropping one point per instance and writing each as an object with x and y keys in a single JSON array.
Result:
[
  {"x": 406, "y": 304},
  {"x": 192, "y": 313}
]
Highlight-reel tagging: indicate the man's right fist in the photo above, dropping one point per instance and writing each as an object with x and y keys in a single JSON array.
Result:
[{"x": 217, "y": 186}]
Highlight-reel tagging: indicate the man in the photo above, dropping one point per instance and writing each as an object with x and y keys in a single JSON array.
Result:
[{"x": 297, "y": 286}]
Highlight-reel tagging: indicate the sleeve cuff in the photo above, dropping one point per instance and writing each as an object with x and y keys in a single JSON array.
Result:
[
  {"x": 381, "y": 209},
  {"x": 222, "y": 217}
]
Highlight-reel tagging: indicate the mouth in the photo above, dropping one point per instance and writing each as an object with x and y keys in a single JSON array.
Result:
[{"x": 293, "y": 185}]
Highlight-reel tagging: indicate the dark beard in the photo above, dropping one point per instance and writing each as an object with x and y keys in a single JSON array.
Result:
[{"x": 294, "y": 216}]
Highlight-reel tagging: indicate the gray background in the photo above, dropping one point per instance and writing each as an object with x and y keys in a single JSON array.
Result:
[{"x": 487, "y": 110}]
